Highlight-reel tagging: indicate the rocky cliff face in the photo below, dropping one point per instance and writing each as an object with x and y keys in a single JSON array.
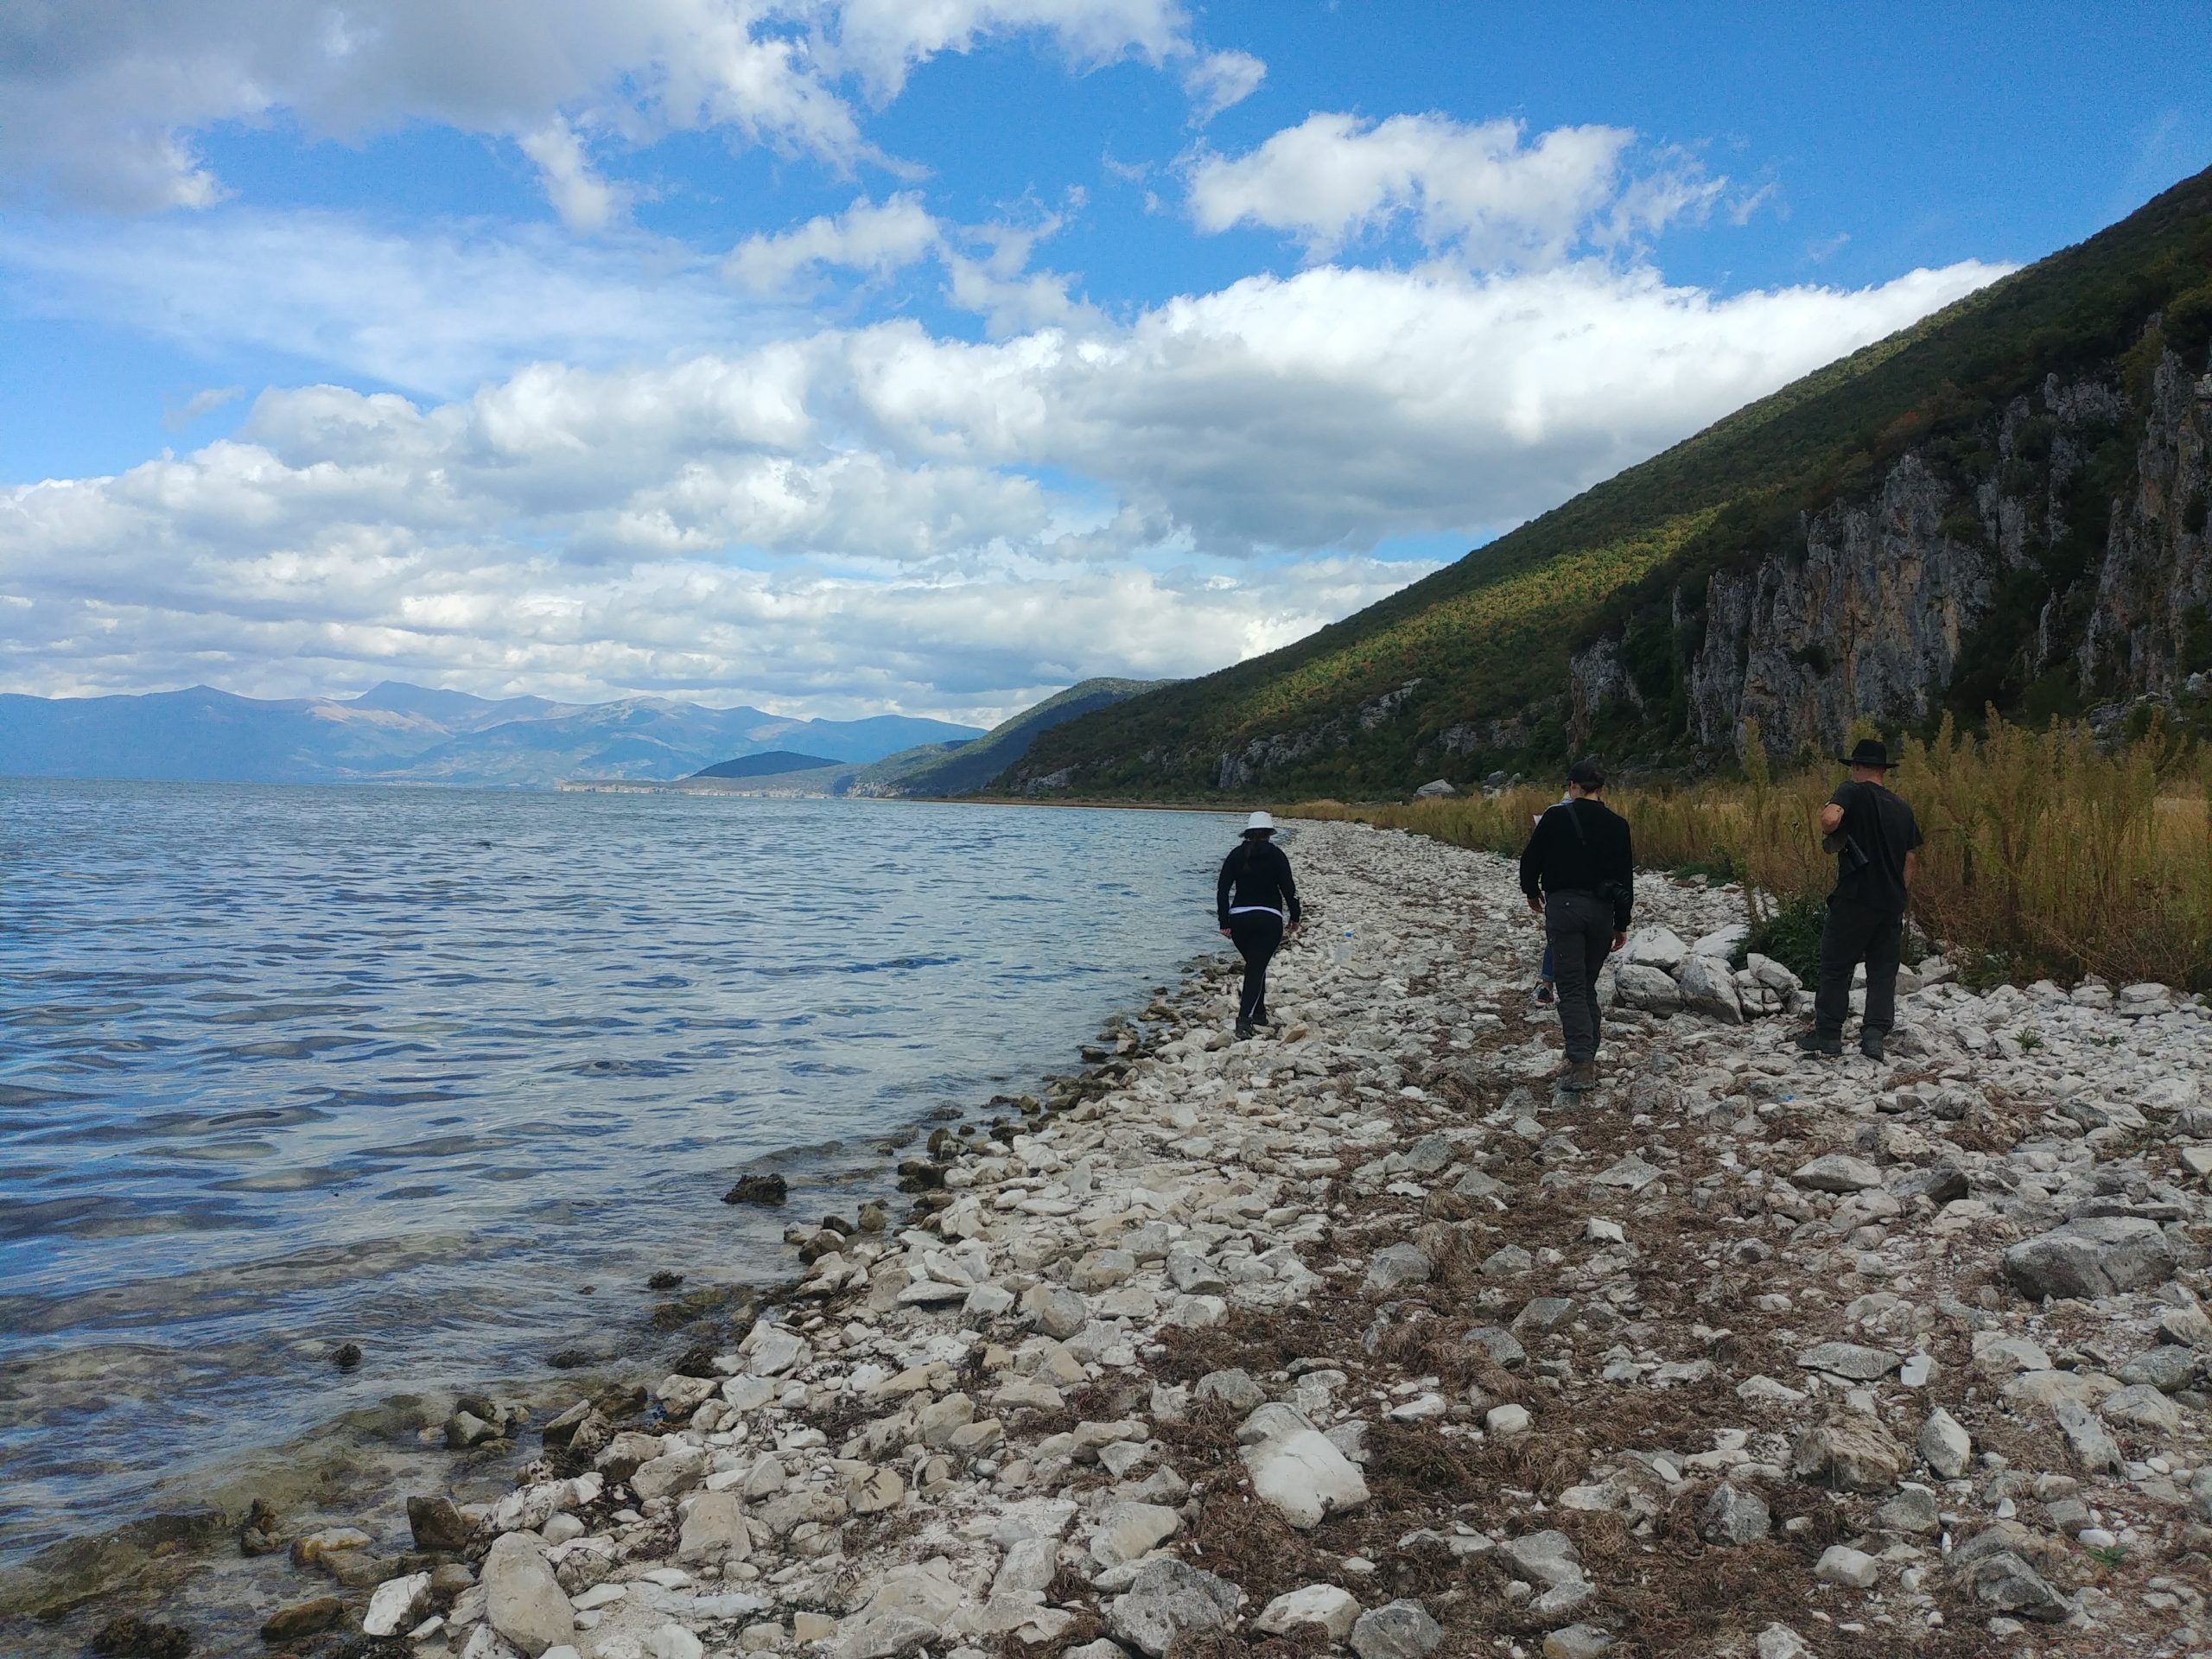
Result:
[
  {"x": 1276, "y": 750},
  {"x": 2067, "y": 550},
  {"x": 1869, "y": 618},
  {"x": 2148, "y": 627}
]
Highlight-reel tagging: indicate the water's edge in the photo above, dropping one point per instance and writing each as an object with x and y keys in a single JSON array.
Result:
[{"x": 180, "y": 1555}]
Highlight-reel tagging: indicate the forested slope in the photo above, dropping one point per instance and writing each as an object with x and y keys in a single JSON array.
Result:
[{"x": 2005, "y": 504}]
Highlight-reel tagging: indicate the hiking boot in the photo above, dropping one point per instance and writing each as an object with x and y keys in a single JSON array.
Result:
[
  {"x": 1244, "y": 1030},
  {"x": 1870, "y": 1043},
  {"x": 1814, "y": 1040},
  {"x": 1577, "y": 1077},
  {"x": 1547, "y": 994}
]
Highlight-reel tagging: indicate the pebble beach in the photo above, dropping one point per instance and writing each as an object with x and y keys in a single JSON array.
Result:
[{"x": 1358, "y": 1338}]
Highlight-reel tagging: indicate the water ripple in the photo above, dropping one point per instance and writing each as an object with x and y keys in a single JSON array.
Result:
[{"x": 423, "y": 1068}]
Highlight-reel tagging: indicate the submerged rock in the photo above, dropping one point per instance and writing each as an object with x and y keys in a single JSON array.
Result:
[
  {"x": 438, "y": 1526},
  {"x": 300, "y": 1618},
  {"x": 133, "y": 1637},
  {"x": 758, "y": 1189}
]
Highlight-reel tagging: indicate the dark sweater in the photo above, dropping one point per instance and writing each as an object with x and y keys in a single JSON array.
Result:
[
  {"x": 1256, "y": 873},
  {"x": 1560, "y": 860}
]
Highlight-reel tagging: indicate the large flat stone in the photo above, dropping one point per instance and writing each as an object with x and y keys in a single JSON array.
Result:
[
  {"x": 2097, "y": 1256},
  {"x": 1304, "y": 1477}
]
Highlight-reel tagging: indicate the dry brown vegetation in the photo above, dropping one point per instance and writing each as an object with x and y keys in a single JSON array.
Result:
[{"x": 2046, "y": 856}]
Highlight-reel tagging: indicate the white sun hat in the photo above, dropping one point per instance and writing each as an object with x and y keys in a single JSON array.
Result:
[{"x": 1259, "y": 821}]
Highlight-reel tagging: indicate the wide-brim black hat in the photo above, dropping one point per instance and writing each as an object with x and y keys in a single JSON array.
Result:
[{"x": 1870, "y": 752}]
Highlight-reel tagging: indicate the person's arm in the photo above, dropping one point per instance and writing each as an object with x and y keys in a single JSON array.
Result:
[
  {"x": 1532, "y": 866},
  {"x": 1221, "y": 892},
  {"x": 1911, "y": 867},
  {"x": 1832, "y": 812},
  {"x": 1624, "y": 889},
  {"x": 1289, "y": 886}
]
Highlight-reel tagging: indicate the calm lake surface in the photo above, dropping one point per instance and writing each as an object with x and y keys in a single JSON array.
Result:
[{"x": 285, "y": 1067}]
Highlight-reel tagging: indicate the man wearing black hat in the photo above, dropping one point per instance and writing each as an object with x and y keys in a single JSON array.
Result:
[
  {"x": 1873, "y": 834},
  {"x": 1579, "y": 872}
]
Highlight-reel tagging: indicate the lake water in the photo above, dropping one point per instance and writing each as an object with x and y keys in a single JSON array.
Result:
[{"x": 450, "y": 1073}]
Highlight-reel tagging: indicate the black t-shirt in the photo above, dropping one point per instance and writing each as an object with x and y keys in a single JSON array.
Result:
[{"x": 1883, "y": 829}]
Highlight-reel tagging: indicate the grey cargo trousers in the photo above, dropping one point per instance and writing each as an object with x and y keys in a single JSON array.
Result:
[{"x": 1579, "y": 926}]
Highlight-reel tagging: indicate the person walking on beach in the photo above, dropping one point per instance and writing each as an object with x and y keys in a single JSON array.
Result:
[
  {"x": 1547, "y": 993},
  {"x": 1255, "y": 902},
  {"x": 1579, "y": 872},
  {"x": 1872, "y": 834}
]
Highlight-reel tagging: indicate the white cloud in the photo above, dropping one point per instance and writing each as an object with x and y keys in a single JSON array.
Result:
[
  {"x": 1341, "y": 406},
  {"x": 585, "y": 201},
  {"x": 867, "y": 237},
  {"x": 439, "y": 311},
  {"x": 199, "y": 405},
  {"x": 1485, "y": 189},
  {"x": 103, "y": 101},
  {"x": 877, "y": 518},
  {"x": 986, "y": 266},
  {"x": 1220, "y": 81},
  {"x": 883, "y": 40}
]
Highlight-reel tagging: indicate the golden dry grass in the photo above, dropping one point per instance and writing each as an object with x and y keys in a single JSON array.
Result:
[{"x": 2046, "y": 856}]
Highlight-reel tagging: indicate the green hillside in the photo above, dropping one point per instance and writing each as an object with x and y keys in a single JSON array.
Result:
[
  {"x": 1491, "y": 635},
  {"x": 966, "y": 768}
]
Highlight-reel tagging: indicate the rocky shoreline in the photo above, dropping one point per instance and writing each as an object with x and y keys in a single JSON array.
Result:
[{"x": 1358, "y": 1338}]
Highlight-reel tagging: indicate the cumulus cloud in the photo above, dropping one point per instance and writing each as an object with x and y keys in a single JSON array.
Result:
[
  {"x": 585, "y": 201},
  {"x": 1485, "y": 189},
  {"x": 877, "y": 517},
  {"x": 103, "y": 101},
  {"x": 986, "y": 266},
  {"x": 1220, "y": 81},
  {"x": 867, "y": 237}
]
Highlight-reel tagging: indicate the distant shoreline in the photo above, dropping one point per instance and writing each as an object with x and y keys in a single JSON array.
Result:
[{"x": 744, "y": 788}]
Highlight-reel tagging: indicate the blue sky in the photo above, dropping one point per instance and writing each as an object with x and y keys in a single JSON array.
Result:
[{"x": 804, "y": 353}]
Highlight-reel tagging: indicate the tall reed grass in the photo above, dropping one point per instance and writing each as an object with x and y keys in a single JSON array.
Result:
[{"x": 2046, "y": 856}]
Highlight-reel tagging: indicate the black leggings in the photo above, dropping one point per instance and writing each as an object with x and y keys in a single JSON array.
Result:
[{"x": 1257, "y": 935}]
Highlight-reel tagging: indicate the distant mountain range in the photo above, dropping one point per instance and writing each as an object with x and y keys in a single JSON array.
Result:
[
  {"x": 397, "y": 733},
  {"x": 938, "y": 771}
]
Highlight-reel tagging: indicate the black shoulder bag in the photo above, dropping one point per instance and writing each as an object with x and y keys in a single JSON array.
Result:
[
  {"x": 1608, "y": 891},
  {"x": 1850, "y": 855}
]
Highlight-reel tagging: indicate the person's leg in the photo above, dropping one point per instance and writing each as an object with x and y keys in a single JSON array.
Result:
[
  {"x": 1885, "y": 943},
  {"x": 1569, "y": 945},
  {"x": 1255, "y": 937},
  {"x": 1270, "y": 941},
  {"x": 1839, "y": 949},
  {"x": 1598, "y": 944},
  {"x": 1547, "y": 978}
]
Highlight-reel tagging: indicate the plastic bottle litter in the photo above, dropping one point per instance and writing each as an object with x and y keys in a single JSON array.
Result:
[{"x": 1341, "y": 951}]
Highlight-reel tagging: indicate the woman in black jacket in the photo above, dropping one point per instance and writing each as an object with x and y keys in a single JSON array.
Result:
[{"x": 1255, "y": 903}]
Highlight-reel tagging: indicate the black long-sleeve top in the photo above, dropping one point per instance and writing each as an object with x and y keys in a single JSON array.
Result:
[
  {"x": 1256, "y": 876},
  {"x": 1558, "y": 859}
]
